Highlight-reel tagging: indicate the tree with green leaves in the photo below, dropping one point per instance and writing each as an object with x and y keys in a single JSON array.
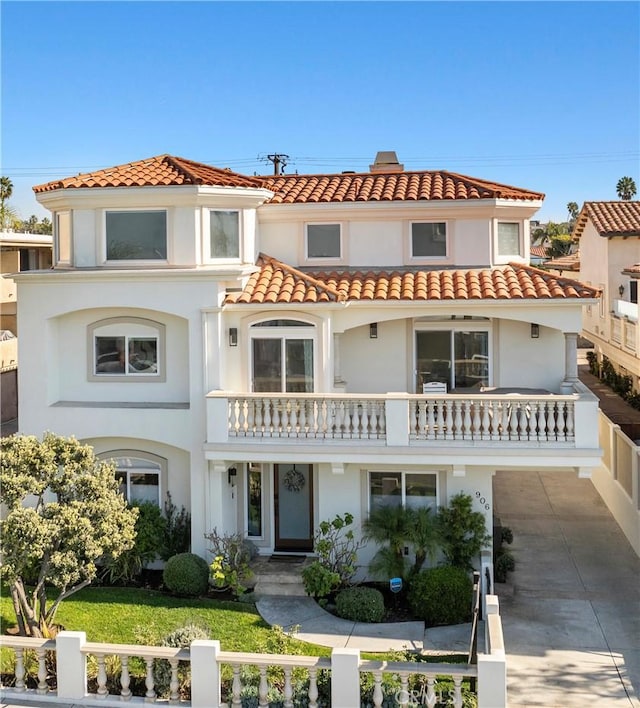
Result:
[
  {"x": 573, "y": 209},
  {"x": 463, "y": 532},
  {"x": 559, "y": 245},
  {"x": 64, "y": 514},
  {"x": 8, "y": 215},
  {"x": 626, "y": 188}
]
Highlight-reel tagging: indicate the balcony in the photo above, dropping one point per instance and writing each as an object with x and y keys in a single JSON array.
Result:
[{"x": 499, "y": 417}]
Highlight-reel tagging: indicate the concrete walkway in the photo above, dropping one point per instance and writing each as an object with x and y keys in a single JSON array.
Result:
[{"x": 572, "y": 623}]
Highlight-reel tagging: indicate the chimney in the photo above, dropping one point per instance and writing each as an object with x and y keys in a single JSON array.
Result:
[{"x": 386, "y": 161}]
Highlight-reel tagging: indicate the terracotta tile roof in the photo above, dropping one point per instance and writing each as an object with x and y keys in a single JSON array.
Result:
[
  {"x": 277, "y": 282},
  {"x": 388, "y": 187},
  {"x": 297, "y": 189},
  {"x": 570, "y": 262},
  {"x": 610, "y": 218},
  {"x": 161, "y": 170},
  {"x": 539, "y": 251},
  {"x": 632, "y": 270}
]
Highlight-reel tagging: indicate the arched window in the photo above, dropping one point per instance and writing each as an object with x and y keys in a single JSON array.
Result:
[{"x": 139, "y": 474}]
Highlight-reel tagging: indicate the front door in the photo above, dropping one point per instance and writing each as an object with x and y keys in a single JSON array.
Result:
[{"x": 293, "y": 500}]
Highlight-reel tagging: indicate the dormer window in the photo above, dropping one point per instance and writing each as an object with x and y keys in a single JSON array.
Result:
[
  {"x": 224, "y": 234},
  {"x": 509, "y": 239},
  {"x": 324, "y": 241},
  {"x": 136, "y": 235},
  {"x": 429, "y": 239}
]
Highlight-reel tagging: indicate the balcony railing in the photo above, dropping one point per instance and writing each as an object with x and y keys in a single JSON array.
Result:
[{"x": 399, "y": 419}]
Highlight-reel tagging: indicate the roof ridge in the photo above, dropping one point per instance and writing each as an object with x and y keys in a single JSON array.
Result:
[
  {"x": 300, "y": 274},
  {"x": 478, "y": 180}
]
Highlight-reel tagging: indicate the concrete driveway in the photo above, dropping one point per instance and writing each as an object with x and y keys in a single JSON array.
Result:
[{"x": 572, "y": 623}]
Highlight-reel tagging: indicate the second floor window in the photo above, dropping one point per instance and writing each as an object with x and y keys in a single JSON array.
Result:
[
  {"x": 224, "y": 234},
  {"x": 509, "y": 239},
  {"x": 136, "y": 235},
  {"x": 429, "y": 239},
  {"x": 323, "y": 241}
]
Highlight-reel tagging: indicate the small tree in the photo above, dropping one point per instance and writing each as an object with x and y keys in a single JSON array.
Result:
[
  {"x": 626, "y": 188},
  {"x": 463, "y": 531},
  {"x": 64, "y": 512}
]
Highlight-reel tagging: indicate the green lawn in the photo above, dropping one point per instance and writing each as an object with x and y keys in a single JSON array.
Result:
[{"x": 138, "y": 616}]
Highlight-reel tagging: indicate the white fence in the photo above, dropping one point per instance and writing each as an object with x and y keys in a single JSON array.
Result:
[{"x": 208, "y": 663}]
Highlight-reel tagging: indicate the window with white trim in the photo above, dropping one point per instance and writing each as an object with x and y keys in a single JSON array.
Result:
[
  {"x": 139, "y": 478},
  {"x": 126, "y": 349},
  {"x": 136, "y": 235},
  {"x": 323, "y": 241},
  {"x": 255, "y": 498},
  {"x": 429, "y": 239},
  {"x": 633, "y": 291},
  {"x": 413, "y": 490},
  {"x": 224, "y": 234},
  {"x": 508, "y": 239}
]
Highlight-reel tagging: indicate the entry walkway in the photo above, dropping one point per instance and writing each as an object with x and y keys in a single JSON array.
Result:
[{"x": 572, "y": 624}]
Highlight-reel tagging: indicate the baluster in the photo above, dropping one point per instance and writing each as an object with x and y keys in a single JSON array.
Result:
[
  {"x": 313, "y": 688},
  {"x": 259, "y": 419},
  {"x": 42, "y": 672},
  {"x": 478, "y": 412},
  {"x": 174, "y": 684},
  {"x": 325, "y": 417},
  {"x": 431, "y": 419},
  {"x": 364, "y": 421},
  {"x": 456, "y": 410},
  {"x": 125, "y": 678},
  {"x": 20, "y": 670},
  {"x": 448, "y": 419},
  {"x": 544, "y": 421},
  {"x": 382, "y": 420},
  {"x": 279, "y": 416},
  {"x": 524, "y": 419},
  {"x": 103, "y": 691},
  {"x": 534, "y": 414},
  {"x": 373, "y": 420},
  {"x": 292, "y": 407},
  {"x": 339, "y": 418},
  {"x": 467, "y": 431},
  {"x": 378, "y": 696},
  {"x": 266, "y": 413},
  {"x": 431, "y": 692},
  {"x": 496, "y": 414},
  {"x": 150, "y": 694},
  {"x": 487, "y": 412},
  {"x": 403, "y": 696},
  {"x": 419, "y": 423},
  {"x": 236, "y": 687},
  {"x": 351, "y": 415},
  {"x": 505, "y": 428},
  {"x": 302, "y": 419},
  {"x": 457, "y": 691},
  {"x": 263, "y": 689},
  {"x": 569, "y": 420},
  {"x": 440, "y": 419},
  {"x": 251, "y": 417},
  {"x": 288, "y": 690}
]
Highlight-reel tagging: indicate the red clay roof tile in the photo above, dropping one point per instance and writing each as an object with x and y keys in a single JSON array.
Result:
[
  {"x": 610, "y": 218},
  {"x": 277, "y": 282}
]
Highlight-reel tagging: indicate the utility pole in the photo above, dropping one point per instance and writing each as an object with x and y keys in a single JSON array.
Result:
[{"x": 279, "y": 161}]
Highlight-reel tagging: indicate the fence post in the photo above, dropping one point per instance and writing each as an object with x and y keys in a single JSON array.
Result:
[
  {"x": 205, "y": 673},
  {"x": 345, "y": 678},
  {"x": 492, "y": 663},
  {"x": 71, "y": 665}
]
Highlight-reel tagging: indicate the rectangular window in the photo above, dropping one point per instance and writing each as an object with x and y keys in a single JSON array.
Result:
[
  {"x": 509, "y": 239},
  {"x": 63, "y": 237},
  {"x": 323, "y": 241},
  {"x": 224, "y": 234},
  {"x": 126, "y": 355},
  {"x": 136, "y": 235},
  {"x": 460, "y": 359},
  {"x": 283, "y": 365},
  {"x": 139, "y": 486},
  {"x": 412, "y": 490},
  {"x": 633, "y": 291},
  {"x": 429, "y": 240},
  {"x": 254, "y": 501}
]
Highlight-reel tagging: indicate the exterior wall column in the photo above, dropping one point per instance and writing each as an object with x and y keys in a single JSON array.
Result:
[
  {"x": 338, "y": 381},
  {"x": 570, "y": 360}
]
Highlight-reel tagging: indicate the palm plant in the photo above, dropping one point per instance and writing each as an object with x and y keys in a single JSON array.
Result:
[
  {"x": 423, "y": 534},
  {"x": 387, "y": 526},
  {"x": 626, "y": 188}
]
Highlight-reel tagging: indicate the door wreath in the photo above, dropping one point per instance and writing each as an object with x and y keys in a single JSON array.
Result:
[{"x": 293, "y": 480}]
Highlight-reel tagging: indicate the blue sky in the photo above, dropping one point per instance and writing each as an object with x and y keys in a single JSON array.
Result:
[{"x": 542, "y": 95}]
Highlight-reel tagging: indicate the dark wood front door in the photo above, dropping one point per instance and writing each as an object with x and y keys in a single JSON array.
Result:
[{"x": 293, "y": 498}]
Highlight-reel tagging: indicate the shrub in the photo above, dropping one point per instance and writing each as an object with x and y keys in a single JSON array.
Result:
[
  {"x": 177, "y": 537},
  {"x": 506, "y": 535},
  {"x": 337, "y": 548},
  {"x": 441, "y": 595},
  {"x": 360, "y": 604},
  {"x": 230, "y": 565},
  {"x": 504, "y": 564},
  {"x": 318, "y": 580},
  {"x": 180, "y": 638},
  {"x": 186, "y": 574},
  {"x": 463, "y": 531},
  {"x": 150, "y": 531}
]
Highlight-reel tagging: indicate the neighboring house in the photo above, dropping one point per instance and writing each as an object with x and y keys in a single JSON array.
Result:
[
  {"x": 570, "y": 263},
  {"x": 538, "y": 255},
  {"x": 18, "y": 252},
  {"x": 609, "y": 236},
  {"x": 277, "y": 350}
]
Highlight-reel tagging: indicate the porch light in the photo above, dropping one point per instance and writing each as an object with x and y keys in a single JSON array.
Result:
[
  {"x": 535, "y": 331},
  {"x": 231, "y": 474},
  {"x": 621, "y": 290},
  {"x": 233, "y": 336},
  {"x": 373, "y": 330}
]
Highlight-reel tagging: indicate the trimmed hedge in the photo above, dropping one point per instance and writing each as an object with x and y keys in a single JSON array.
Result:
[
  {"x": 186, "y": 574},
  {"x": 441, "y": 595},
  {"x": 360, "y": 604}
]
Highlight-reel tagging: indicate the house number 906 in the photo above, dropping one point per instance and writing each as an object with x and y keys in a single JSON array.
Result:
[{"x": 482, "y": 500}]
